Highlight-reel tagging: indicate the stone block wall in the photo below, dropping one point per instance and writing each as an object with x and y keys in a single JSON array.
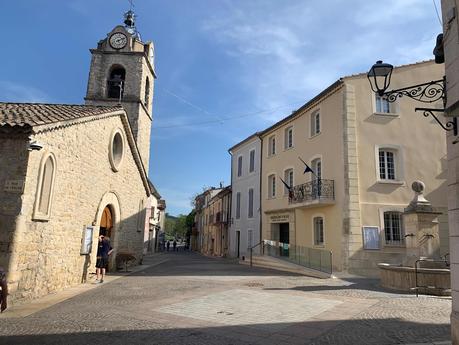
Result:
[
  {"x": 46, "y": 255},
  {"x": 13, "y": 163}
]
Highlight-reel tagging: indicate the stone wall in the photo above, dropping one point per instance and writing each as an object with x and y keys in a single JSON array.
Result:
[
  {"x": 46, "y": 254},
  {"x": 14, "y": 155}
]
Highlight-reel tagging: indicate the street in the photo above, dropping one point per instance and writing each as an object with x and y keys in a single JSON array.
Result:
[{"x": 186, "y": 298}]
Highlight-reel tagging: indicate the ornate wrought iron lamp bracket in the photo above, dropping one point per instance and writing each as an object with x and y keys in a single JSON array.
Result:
[
  {"x": 427, "y": 92},
  {"x": 448, "y": 126}
]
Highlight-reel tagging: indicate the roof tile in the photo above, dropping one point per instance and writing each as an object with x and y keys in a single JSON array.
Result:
[{"x": 34, "y": 114}]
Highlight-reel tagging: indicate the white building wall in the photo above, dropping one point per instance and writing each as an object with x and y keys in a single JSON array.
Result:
[{"x": 242, "y": 184}]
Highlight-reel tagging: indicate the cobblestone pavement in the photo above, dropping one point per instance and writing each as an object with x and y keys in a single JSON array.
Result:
[{"x": 191, "y": 299}]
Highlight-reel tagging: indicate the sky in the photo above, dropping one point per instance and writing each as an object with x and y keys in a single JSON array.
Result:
[{"x": 225, "y": 68}]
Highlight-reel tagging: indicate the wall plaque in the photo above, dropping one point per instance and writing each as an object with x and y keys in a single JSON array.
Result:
[
  {"x": 370, "y": 237},
  {"x": 14, "y": 186},
  {"x": 279, "y": 218},
  {"x": 86, "y": 241}
]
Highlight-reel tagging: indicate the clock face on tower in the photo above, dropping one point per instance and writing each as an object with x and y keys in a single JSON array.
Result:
[{"x": 118, "y": 40}]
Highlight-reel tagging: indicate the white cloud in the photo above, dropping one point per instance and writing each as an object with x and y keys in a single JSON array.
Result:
[
  {"x": 294, "y": 49},
  {"x": 14, "y": 92}
]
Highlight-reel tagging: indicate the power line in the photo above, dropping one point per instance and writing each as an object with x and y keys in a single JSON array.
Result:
[
  {"x": 221, "y": 119},
  {"x": 438, "y": 15}
]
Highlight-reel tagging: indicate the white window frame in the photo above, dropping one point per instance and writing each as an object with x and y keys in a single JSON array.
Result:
[
  {"x": 398, "y": 164},
  {"x": 252, "y": 161},
  {"x": 315, "y": 126},
  {"x": 384, "y": 210},
  {"x": 239, "y": 166},
  {"x": 37, "y": 214},
  {"x": 250, "y": 203},
  {"x": 393, "y": 107},
  {"x": 287, "y": 179},
  {"x": 313, "y": 227},
  {"x": 272, "y": 139},
  {"x": 271, "y": 186},
  {"x": 288, "y": 138}
]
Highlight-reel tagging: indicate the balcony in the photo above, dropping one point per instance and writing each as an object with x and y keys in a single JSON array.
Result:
[{"x": 313, "y": 192}]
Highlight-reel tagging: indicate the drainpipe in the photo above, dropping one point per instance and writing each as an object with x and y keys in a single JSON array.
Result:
[
  {"x": 259, "y": 191},
  {"x": 230, "y": 216}
]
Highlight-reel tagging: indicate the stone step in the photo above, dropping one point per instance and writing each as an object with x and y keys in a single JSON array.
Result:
[{"x": 281, "y": 265}]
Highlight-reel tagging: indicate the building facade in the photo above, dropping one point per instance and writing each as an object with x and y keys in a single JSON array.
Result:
[
  {"x": 72, "y": 172},
  {"x": 451, "y": 49},
  {"x": 155, "y": 214},
  {"x": 350, "y": 158},
  {"x": 245, "y": 209}
]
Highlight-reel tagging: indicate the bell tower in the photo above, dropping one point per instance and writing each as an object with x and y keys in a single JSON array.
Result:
[{"x": 122, "y": 72}]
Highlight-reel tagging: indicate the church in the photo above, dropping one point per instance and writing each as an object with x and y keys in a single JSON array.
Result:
[{"x": 70, "y": 172}]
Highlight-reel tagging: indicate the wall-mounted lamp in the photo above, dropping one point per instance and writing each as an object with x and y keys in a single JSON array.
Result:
[{"x": 379, "y": 77}]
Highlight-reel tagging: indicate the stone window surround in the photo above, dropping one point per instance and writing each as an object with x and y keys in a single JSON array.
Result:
[
  {"x": 287, "y": 143},
  {"x": 238, "y": 205},
  {"x": 394, "y": 107},
  {"x": 116, "y": 167},
  {"x": 288, "y": 168},
  {"x": 269, "y": 189},
  {"x": 398, "y": 162},
  {"x": 313, "y": 232},
  {"x": 37, "y": 215},
  {"x": 269, "y": 151},
  {"x": 311, "y": 165},
  {"x": 312, "y": 128},
  {"x": 250, "y": 162},
  {"x": 250, "y": 206},
  {"x": 382, "y": 230},
  {"x": 239, "y": 165}
]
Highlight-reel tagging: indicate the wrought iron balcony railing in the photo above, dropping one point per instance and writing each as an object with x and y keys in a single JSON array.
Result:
[{"x": 313, "y": 190}]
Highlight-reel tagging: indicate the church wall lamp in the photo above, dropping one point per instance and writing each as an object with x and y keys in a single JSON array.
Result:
[
  {"x": 34, "y": 145},
  {"x": 379, "y": 77}
]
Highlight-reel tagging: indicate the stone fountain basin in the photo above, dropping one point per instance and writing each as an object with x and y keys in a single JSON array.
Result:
[{"x": 403, "y": 278}]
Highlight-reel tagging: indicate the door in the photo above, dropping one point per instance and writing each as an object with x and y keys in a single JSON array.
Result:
[
  {"x": 284, "y": 238},
  {"x": 238, "y": 242}
]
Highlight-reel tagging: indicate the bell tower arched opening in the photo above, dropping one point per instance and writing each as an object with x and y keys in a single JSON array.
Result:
[{"x": 115, "y": 83}]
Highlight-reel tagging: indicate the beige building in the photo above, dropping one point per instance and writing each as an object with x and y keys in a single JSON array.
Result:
[
  {"x": 364, "y": 154},
  {"x": 71, "y": 171},
  {"x": 212, "y": 217},
  {"x": 155, "y": 219}
]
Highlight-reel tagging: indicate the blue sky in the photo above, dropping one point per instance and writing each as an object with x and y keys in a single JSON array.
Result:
[{"x": 226, "y": 68}]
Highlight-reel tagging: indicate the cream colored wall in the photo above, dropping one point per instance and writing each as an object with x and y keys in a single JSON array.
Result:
[
  {"x": 422, "y": 148},
  {"x": 328, "y": 146},
  {"x": 46, "y": 254}
]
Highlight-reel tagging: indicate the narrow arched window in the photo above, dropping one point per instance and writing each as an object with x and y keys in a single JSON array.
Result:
[
  {"x": 147, "y": 92},
  {"x": 45, "y": 188},
  {"x": 116, "y": 82}
]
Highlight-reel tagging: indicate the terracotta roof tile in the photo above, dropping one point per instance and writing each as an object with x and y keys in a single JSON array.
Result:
[{"x": 34, "y": 114}]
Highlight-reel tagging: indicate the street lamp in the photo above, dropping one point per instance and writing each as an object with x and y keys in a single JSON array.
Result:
[{"x": 379, "y": 77}]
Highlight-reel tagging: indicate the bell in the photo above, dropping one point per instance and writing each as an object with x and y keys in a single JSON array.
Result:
[
  {"x": 129, "y": 19},
  {"x": 438, "y": 50}
]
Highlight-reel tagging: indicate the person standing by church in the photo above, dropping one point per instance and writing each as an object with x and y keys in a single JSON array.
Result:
[
  {"x": 4, "y": 290},
  {"x": 104, "y": 250}
]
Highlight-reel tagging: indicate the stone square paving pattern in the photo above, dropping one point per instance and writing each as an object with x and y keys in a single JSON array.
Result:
[{"x": 185, "y": 298}]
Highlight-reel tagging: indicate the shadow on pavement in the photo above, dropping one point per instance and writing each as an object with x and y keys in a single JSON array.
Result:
[{"x": 349, "y": 332}]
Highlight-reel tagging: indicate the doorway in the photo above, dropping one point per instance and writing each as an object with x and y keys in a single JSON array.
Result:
[
  {"x": 284, "y": 238},
  {"x": 106, "y": 223},
  {"x": 238, "y": 243}
]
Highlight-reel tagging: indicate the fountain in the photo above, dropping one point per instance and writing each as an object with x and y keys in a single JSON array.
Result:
[{"x": 422, "y": 270}]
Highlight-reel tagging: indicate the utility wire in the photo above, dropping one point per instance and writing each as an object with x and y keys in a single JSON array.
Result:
[
  {"x": 438, "y": 15},
  {"x": 220, "y": 120}
]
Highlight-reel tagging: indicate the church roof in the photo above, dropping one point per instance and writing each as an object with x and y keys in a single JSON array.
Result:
[{"x": 35, "y": 114}]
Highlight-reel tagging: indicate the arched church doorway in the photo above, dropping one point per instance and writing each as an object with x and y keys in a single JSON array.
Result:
[{"x": 106, "y": 223}]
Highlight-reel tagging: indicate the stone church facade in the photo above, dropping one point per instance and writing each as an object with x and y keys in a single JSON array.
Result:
[{"x": 68, "y": 170}]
